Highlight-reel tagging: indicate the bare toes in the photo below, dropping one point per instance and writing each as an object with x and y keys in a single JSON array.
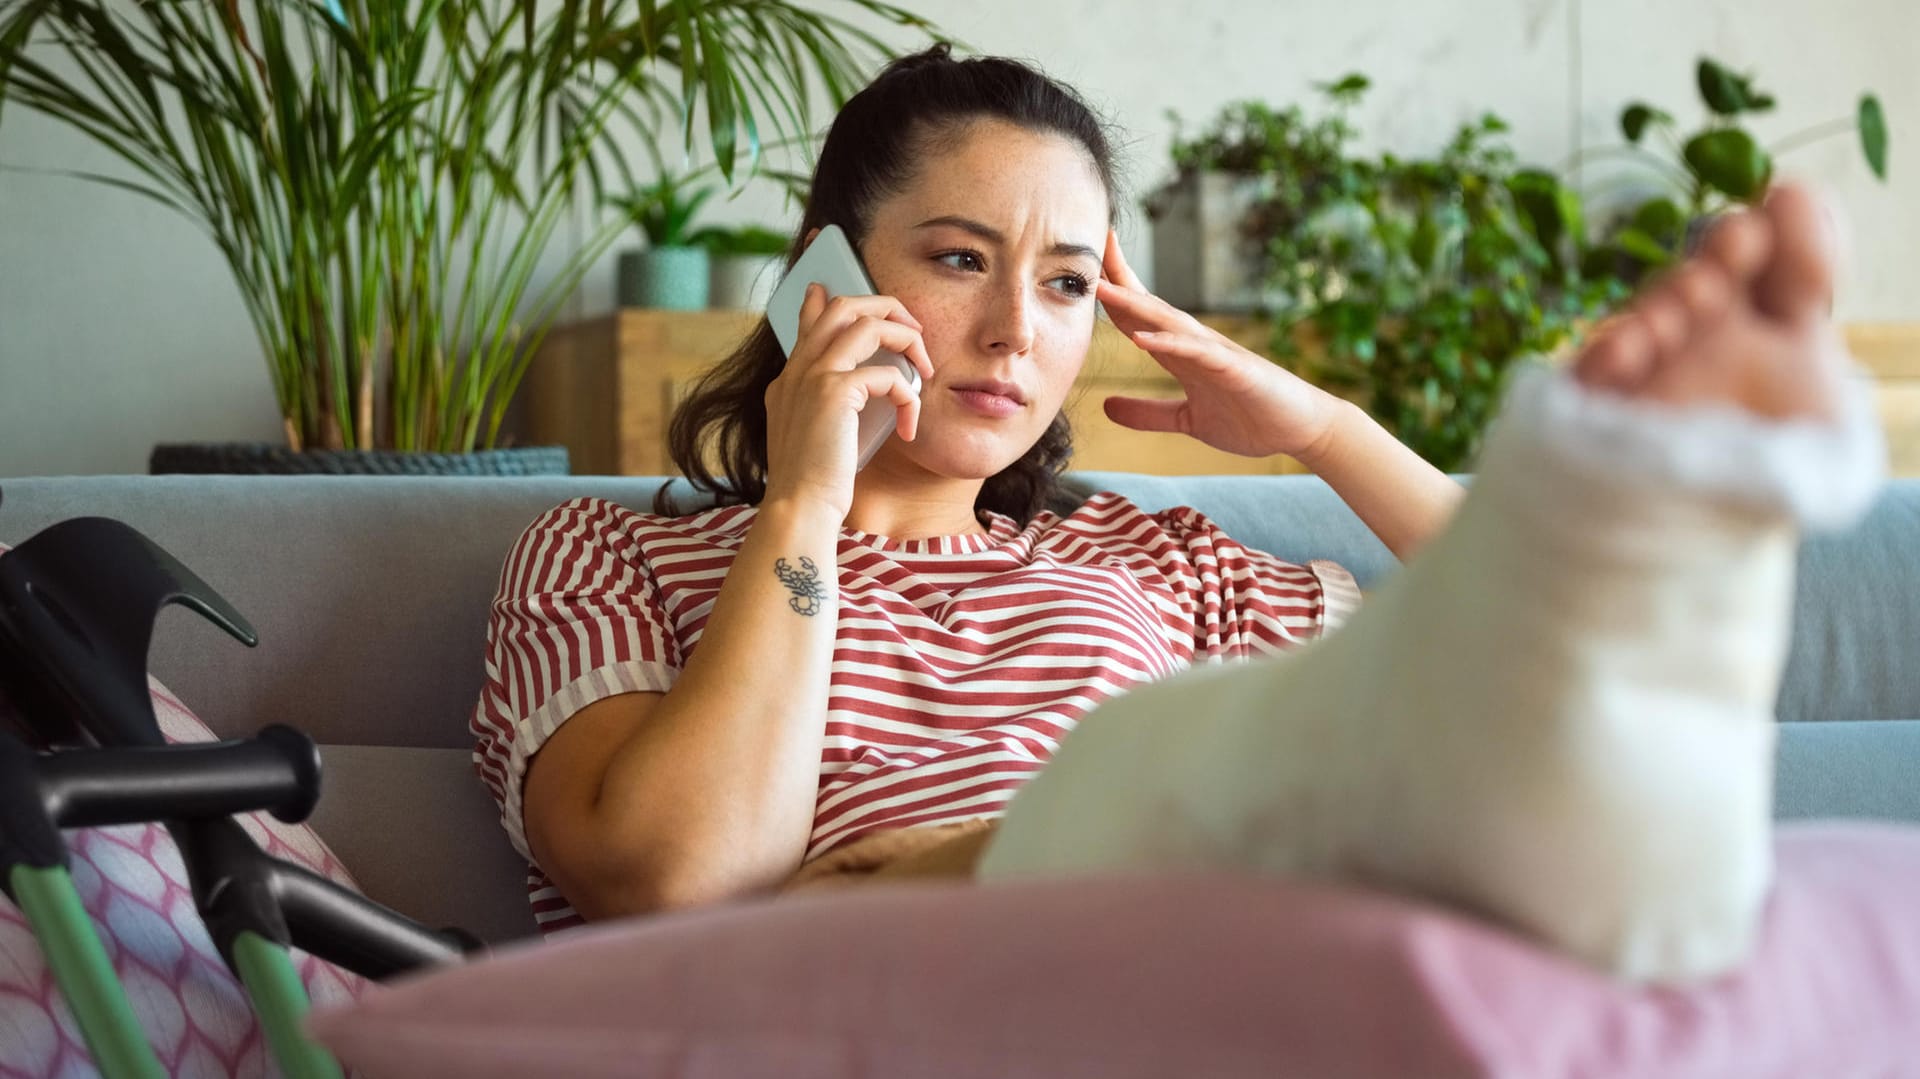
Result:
[
  {"x": 1739, "y": 241},
  {"x": 1797, "y": 284},
  {"x": 1703, "y": 289},
  {"x": 1619, "y": 357},
  {"x": 1664, "y": 314}
]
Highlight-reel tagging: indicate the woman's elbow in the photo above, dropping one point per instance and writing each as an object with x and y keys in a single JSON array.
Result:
[{"x": 634, "y": 886}]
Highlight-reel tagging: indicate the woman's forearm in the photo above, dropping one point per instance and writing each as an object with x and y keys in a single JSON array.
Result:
[
  {"x": 1396, "y": 493},
  {"x": 714, "y": 794}
]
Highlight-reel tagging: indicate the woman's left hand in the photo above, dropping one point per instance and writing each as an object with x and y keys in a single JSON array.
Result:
[{"x": 1236, "y": 401}]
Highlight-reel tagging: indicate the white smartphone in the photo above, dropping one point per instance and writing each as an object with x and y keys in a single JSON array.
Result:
[{"x": 831, "y": 260}]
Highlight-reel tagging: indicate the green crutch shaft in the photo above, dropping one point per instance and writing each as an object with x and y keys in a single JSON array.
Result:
[
  {"x": 281, "y": 1002},
  {"x": 84, "y": 973}
]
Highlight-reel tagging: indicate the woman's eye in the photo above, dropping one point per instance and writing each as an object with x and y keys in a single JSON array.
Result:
[
  {"x": 1074, "y": 285},
  {"x": 962, "y": 260}
]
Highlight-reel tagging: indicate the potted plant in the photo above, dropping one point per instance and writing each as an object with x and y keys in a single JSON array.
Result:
[
  {"x": 384, "y": 178},
  {"x": 671, "y": 271},
  {"x": 1414, "y": 284},
  {"x": 1720, "y": 165},
  {"x": 1209, "y": 242},
  {"x": 745, "y": 265}
]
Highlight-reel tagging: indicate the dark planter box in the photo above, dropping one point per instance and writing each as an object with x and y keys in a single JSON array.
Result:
[{"x": 271, "y": 459}]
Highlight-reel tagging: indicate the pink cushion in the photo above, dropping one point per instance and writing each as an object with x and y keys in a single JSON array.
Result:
[
  {"x": 1219, "y": 975},
  {"x": 133, "y": 884}
]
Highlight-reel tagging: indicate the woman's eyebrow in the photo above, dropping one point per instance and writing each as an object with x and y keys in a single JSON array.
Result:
[{"x": 993, "y": 235}]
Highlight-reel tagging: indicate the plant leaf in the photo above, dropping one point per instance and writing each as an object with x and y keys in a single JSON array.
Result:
[
  {"x": 1642, "y": 246},
  {"x": 162, "y": 197},
  {"x": 1722, "y": 90},
  {"x": 1549, "y": 208},
  {"x": 1662, "y": 219},
  {"x": 1347, "y": 89},
  {"x": 1731, "y": 162},
  {"x": 1873, "y": 134},
  {"x": 1636, "y": 117}
]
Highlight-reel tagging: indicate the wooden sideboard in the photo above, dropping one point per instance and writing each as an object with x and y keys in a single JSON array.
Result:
[{"x": 605, "y": 387}]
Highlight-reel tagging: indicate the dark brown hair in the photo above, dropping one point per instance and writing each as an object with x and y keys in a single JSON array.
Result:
[{"x": 871, "y": 152}]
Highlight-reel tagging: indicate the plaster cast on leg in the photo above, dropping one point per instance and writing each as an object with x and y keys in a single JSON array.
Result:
[{"x": 1559, "y": 716}]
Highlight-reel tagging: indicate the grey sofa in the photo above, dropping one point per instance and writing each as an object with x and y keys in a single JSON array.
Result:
[{"x": 370, "y": 597}]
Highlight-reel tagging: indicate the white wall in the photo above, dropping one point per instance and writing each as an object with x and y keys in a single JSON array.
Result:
[{"x": 119, "y": 326}]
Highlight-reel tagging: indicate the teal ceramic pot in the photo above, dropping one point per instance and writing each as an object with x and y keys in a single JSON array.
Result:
[{"x": 671, "y": 278}]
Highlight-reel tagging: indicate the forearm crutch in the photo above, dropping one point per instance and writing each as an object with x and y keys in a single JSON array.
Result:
[{"x": 77, "y": 607}]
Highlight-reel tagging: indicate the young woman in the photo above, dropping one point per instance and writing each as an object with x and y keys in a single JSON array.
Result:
[{"x": 833, "y": 675}]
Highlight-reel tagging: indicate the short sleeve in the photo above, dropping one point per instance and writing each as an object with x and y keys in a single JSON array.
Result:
[
  {"x": 1248, "y": 602},
  {"x": 578, "y": 618}
]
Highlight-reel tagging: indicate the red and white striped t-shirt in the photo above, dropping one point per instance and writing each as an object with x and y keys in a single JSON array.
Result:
[{"x": 959, "y": 661}]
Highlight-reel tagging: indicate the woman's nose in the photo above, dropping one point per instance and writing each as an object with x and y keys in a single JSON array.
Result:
[{"x": 1009, "y": 325}]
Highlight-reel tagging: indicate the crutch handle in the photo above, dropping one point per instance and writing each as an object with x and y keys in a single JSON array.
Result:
[{"x": 277, "y": 770}]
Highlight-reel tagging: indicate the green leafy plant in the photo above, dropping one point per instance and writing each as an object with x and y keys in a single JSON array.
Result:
[
  {"x": 1252, "y": 137},
  {"x": 664, "y": 210},
  {"x": 383, "y": 177},
  {"x": 1416, "y": 284},
  {"x": 745, "y": 240},
  {"x": 1297, "y": 163},
  {"x": 1716, "y": 167}
]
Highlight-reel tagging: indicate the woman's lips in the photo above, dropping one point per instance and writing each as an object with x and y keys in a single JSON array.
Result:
[{"x": 987, "y": 403}]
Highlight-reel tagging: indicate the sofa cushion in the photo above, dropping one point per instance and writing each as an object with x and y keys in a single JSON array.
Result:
[
  {"x": 423, "y": 837},
  {"x": 1849, "y": 768},
  {"x": 134, "y": 886},
  {"x": 1298, "y": 518},
  {"x": 1152, "y": 976},
  {"x": 1856, "y": 616}
]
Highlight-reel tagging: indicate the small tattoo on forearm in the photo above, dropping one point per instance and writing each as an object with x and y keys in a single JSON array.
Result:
[{"x": 804, "y": 583}]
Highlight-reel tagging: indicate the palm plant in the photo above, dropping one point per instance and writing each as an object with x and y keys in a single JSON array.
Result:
[{"x": 383, "y": 177}]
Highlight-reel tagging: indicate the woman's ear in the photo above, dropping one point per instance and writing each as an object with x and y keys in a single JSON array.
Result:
[{"x": 807, "y": 241}]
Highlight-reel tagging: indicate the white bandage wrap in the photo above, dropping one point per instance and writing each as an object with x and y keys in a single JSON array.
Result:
[
  {"x": 1558, "y": 716},
  {"x": 1823, "y": 474}
]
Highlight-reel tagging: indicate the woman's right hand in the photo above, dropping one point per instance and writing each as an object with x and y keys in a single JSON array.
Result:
[{"x": 813, "y": 407}]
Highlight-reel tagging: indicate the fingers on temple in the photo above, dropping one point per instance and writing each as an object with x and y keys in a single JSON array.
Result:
[
  {"x": 1176, "y": 349},
  {"x": 1116, "y": 267},
  {"x": 1147, "y": 414},
  {"x": 1157, "y": 313}
]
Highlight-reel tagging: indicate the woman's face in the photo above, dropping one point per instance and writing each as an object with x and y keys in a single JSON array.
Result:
[{"x": 995, "y": 248}]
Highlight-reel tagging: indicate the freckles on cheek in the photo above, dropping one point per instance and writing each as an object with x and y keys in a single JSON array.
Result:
[
  {"x": 938, "y": 322},
  {"x": 931, "y": 311}
]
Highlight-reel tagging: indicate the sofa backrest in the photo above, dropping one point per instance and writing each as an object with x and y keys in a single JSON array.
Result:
[
  {"x": 370, "y": 594},
  {"x": 1856, "y": 610}
]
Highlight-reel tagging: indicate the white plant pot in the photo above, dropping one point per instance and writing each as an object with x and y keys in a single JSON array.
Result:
[
  {"x": 1202, "y": 257},
  {"x": 743, "y": 282}
]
